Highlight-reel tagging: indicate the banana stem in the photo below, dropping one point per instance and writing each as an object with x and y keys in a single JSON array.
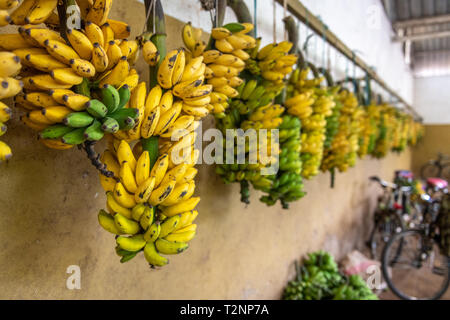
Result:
[
  {"x": 62, "y": 13},
  {"x": 242, "y": 13},
  {"x": 245, "y": 191},
  {"x": 156, "y": 23},
  {"x": 333, "y": 175},
  {"x": 151, "y": 145},
  {"x": 327, "y": 75},
  {"x": 292, "y": 31},
  {"x": 88, "y": 147}
]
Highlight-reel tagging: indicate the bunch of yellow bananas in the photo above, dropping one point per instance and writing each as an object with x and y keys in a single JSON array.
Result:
[
  {"x": 224, "y": 58},
  {"x": 153, "y": 205},
  {"x": 54, "y": 69},
  {"x": 9, "y": 67},
  {"x": 388, "y": 123},
  {"x": 368, "y": 128}
]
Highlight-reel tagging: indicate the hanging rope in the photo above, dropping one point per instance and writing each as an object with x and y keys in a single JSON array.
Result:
[
  {"x": 284, "y": 16},
  {"x": 152, "y": 3},
  {"x": 274, "y": 21},
  {"x": 255, "y": 15}
]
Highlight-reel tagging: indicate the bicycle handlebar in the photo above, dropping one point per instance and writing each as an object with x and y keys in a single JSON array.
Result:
[{"x": 383, "y": 183}]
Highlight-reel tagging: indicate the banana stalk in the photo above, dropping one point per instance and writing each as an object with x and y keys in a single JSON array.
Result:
[
  {"x": 242, "y": 13},
  {"x": 157, "y": 24},
  {"x": 291, "y": 28}
]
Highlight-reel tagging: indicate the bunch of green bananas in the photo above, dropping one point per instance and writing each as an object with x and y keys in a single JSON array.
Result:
[
  {"x": 368, "y": 131},
  {"x": 95, "y": 118},
  {"x": 319, "y": 279},
  {"x": 287, "y": 184}
]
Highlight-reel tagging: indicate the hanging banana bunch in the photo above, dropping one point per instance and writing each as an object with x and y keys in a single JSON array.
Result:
[
  {"x": 150, "y": 203},
  {"x": 224, "y": 56},
  {"x": 76, "y": 82}
]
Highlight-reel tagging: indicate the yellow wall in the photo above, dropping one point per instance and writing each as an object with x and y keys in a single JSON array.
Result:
[
  {"x": 437, "y": 139},
  {"x": 48, "y": 221}
]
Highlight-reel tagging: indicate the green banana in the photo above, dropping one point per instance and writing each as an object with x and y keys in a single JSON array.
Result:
[
  {"x": 78, "y": 119},
  {"x": 55, "y": 131},
  {"x": 110, "y": 98},
  {"x": 110, "y": 125},
  {"x": 96, "y": 108},
  {"x": 94, "y": 132},
  {"x": 76, "y": 136},
  {"x": 124, "y": 96}
]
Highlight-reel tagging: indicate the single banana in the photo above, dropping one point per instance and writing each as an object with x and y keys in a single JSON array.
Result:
[
  {"x": 107, "y": 222},
  {"x": 133, "y": 243},
  {"x": 167, "y": 247},
  {"x": 81, "y": 43},
  {"x": 66, "y": 76},
  {"x": 123, "y": 197},
  {"x": 99, "y": 11},
  {"x": 180, "y": 207},
  {"x": 115, "y": 207},
  {"x": 83, "y": 68},
  {"x": 125, "y": 225},
  {"x": 94, "y": 33},
  {"x": 153, "y": 257},
  {"x": 99, "y": 58},
  {"x": 160, "y": 168},
  {"x": 124, "y": 153},
  {"x": 144, "y": 190},
  {"x": 40, "y": 11},
  {"x": 9, "y": 64},
  {"x": 60, "y": 51}
]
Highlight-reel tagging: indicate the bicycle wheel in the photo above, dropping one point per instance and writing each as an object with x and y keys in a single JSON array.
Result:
[
  {"x": 429, "y": 170},
  {"x": 445, "y": 172},
  {"x": 414, "y": 268},
  {"x": 384, "y": 228}
]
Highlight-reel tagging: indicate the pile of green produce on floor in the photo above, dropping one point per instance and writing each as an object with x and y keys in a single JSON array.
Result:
[{"x": 319, "y": 279}]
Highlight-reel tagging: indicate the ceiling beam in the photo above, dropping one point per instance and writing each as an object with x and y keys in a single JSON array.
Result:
[
  {"x": 432, "y": 52},
  {"x": 421, "y": 22},
  {"x": 422, "y": 36}
]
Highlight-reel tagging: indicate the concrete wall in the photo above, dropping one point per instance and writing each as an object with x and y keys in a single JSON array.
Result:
[
  {"x": 49, "y": 200},
  {"x": 432, "y": 99},
  {"x": 437, "y": 139}
]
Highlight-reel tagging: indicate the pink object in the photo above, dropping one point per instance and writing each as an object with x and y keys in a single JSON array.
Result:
[{"x": 437, "y": 183}]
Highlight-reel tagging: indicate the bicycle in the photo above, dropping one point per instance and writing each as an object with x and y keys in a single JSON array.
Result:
[
  {"x": 412, "y": 262},
  {"x": 439, "y": 168},
  {"x": 388, "y": 216}
]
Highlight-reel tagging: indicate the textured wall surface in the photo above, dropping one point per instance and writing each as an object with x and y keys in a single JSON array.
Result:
[
  {"x": 48, "y": 221},
  {"x": 431, "y": 99},
  {"x": 437, "y": 139}
]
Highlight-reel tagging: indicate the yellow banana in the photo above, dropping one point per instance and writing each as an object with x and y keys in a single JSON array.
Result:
[
  {"x": 150, "y": 53},
  {"x": 153, "y": 257},
  {"x": 153, "y": 99},
  {"x": 99, "y": 58},
  {"x": 178, "y": 68},
  {"x": 169, "y": 225},
  {"x": 123, "y": 197},
  {"x": 99, "y": 11},
  {"x": 241, "y": 54},
  {"x": 152, "y": 232},
  {"x": 108, "y": 35},
  {"x": 166, "y": 101},
  {"x": 188, "y": 36},
  {"x": 144, "y": 190},
  {"x": 132, "y": 244},
  {"x": 169, "y": 117},
  {"x": 85, "y": 6},
  {"x": 186, "y": 219},
  {"x": 56, "y": 114},
  {"x": 114, "y": 54},
  {"x": 9, "y": 64},
  {"x": 220, "y": 33},
  {"x": 60, "y": 51},
  {"x": 138, "y": 211},
  {"x": 12, "y": 42},
  {"x": 118, "y": 74},
  {"x": 194, "y": 69},
  {"x": 168, "y": 247},
  {"x": 160, "y": 168},
  {"x": 191, "y": 227},
  {"x": 166, "y": 69},
  {"x": 224, "y": 46},
  {"x": 147, "y": 217},
  {"x": 161, "y": 193},
  {"x": 125, "y": 225},
  {"x": 5, "y": 112},
  {"x": 37, "y": 117},
  {"x": 127, "y": 177},
  {"x": 81, "y": 43},
  {"x": 40, "y": 11},
  {"x": 94, "y": 33},
  {"x": 83, "y": 68},
  {"x": 181, "y": 237},
  {"x": 177, "y": 195},
  {"x": 121, "y": 29},
  {"x": 195, "y": 111},
  {"x": 19, "y": 15},
  {"x": 76, "y": 102},
  {"x": 180, "y": 207},
  {"x": 9, "y": 87},
  {"x": 66, "y": 75},
  {"x": 107, "y": 222},
  {"x": 150, "y": 122},
  {"x": 124, "y": 153},
  {"x": 8, "y": 4},
  {"x": 116, "y": 207},
  {"x": 45, "y": 63}
]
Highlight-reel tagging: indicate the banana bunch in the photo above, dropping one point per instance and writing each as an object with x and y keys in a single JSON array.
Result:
[
  {"x": 150, "y": 206},
  {"x": 58, "y": 75},
  {"x": 344, "y": 147},
  {"x": 64, "y": 127},
  {"x": 319, "y": 279},
  {"x": 387, "y": 125},
  {"x": 224, "y": 57},
  {"x": 273, "y": 64},
  {"x": 312, "y": 104},
  {"x": 9, "y": 67},
  {"x": 287, "y": 184},
  {"x": 368, "y": 130}
]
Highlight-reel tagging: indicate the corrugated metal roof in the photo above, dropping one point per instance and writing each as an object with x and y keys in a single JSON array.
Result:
[{"x": 430, "y": 57}]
